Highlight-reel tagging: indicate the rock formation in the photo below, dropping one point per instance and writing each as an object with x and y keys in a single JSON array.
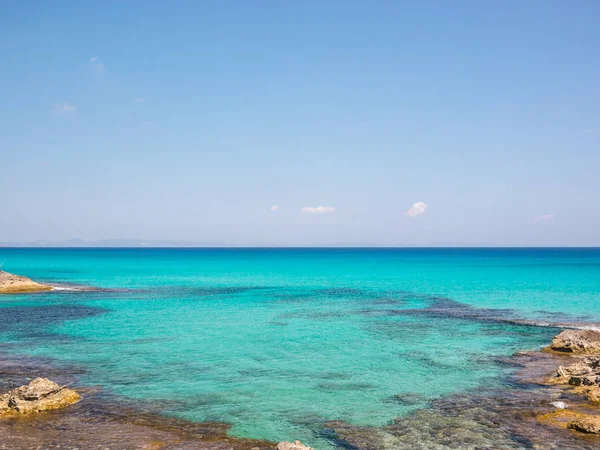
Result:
[
  {"x": 39, "y": 395},
  {"x": 583, "y": 376},
  {"x": 12, "y": 284},
  {"x": 577, "y": 342},
  {"x": 296, "y": 445},
  {"x": 589, "y": 424}
]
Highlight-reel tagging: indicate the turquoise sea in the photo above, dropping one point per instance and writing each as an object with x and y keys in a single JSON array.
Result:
[{"x": 279, "y": 341}]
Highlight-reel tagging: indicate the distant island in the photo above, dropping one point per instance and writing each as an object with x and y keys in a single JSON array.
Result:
[
  {"x": 142, "y": 243},
  {"x": 108, "y": 243}
]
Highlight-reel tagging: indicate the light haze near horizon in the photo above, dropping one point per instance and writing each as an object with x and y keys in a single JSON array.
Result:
[{"x": 301, "y": 123}]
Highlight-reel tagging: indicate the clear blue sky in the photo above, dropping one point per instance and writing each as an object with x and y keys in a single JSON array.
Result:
[{"x": 192, "y": 120}]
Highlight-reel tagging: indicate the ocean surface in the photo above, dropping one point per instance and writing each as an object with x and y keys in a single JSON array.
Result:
[{"x": 279, "y": 341}]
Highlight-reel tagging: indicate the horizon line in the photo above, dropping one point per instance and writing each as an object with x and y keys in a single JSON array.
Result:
[{"x": 399, "y": 247}]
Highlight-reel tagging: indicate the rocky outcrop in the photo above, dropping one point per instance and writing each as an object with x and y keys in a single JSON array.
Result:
[
  {"x": 14, "y": 284},
  {"x": 39, "y": 395},
  {"x": 589, "y": 424},
  {"x": 4, "y": 404},
  {"x": 296, "y": 445},
  {"x": 577, "y": 342},
  {"x": 583, "y": 376}
]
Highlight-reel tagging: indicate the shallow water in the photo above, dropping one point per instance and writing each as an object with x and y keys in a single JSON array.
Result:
[{"x": 279, "y": 342}]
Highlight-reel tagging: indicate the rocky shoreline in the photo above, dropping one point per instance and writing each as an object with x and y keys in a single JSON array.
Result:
[
  {"x": 581, "y": 377},
  {"x": 15, "y": 284},
  {"x": 42, "y": 414},
  {"x": 553, "y": 402}
]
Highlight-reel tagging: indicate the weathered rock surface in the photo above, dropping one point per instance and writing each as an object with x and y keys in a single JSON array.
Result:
[
  {"x": 12, "y": 284},
  {"x": 577, "y": 342},
  {"x": 589, "y": 424},
  {"x": 4, "y": 403},
  {"x": 583, "y": 375},
  {"x": 39, "y": 395},
  {"x": 296, "y": 445}
]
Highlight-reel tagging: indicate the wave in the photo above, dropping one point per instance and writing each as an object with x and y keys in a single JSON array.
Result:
[
  {"x": 547, "y": 324},
  {"x": 63, "y": 288}
]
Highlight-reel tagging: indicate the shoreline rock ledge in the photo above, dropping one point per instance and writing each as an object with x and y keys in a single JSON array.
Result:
[
  {"x": 582, "y": 376},
  {"x": 15, "y": 284},
  {"x": 39, "y": 395},
  {"x": 577, "y": 342}
]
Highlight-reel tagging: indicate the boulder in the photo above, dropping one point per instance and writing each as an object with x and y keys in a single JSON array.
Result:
[
  {"x": 589, "y": 424},
  {"x": 577, "y": 342},
  {"x": 39, "y": 395},
  {"x": 296, "y": 445}
]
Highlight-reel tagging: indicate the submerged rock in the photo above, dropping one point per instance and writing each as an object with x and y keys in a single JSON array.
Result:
[
  {"x": 13, "y": 284},
  {"x": 577, "y": 342},
  {"x": 39, "y": 395},
  {"x": 589, "y": 424},
  {"x": 296, "y": 445}
]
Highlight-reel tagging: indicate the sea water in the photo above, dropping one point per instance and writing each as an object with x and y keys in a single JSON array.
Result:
[{"x": 277, "y": 342}]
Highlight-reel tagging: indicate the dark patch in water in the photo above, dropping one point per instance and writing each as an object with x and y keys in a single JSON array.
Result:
[
  {"x": 18, "y": 370},
  {"x": 259, "y": 373},
  {"x": 16, "y": 318},
  {"x": 338, "y": 443},
  {"x": 445, "y": 308},
  {"x": 395, "y": 298},
  {"x": 32, "y": 322},
  {"x": 334, "y": 376},
  {"x": 407, "y": 399},
  {"x": 345, "y": 386},
  {"x": 206, "y": 291}
]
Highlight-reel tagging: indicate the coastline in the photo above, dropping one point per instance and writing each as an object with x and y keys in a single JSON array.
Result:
[
  {"x": 530, "y": 412},
  {"x": 103, "y": 420},
  {"x": 17, "y": 284},
  {"x": 536, "y": 409}
]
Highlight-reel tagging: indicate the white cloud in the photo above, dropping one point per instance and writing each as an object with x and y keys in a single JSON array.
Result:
[
  {"x": 64, "y": 108},
  {"x": 275, "y": 208},
  {"x": 417, "y": 209},
  {"x": 543, "y": 218},
  {"x": 318, "y": 209},
  {"x": 96, "y": 65}
]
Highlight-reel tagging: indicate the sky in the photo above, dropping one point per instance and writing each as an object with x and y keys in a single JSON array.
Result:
[{"x": 293, "y": 123}]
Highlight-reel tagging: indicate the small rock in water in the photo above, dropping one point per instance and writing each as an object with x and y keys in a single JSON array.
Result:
[
  {"x": 590, "y": 424},
  {"x": 559, "y": 405},
  {"x": 296, "y": 445},
  {"x": 39, "y": 395}
]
